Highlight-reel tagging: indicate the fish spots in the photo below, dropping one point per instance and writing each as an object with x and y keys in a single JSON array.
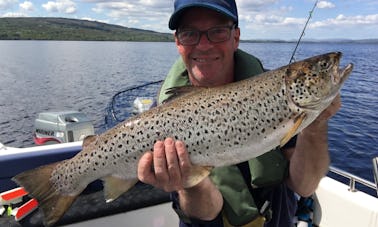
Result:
[{"x": 225, "y": 120}]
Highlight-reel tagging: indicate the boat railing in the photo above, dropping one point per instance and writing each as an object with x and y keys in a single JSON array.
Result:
[
  {"x": 375, "y": 169},
  {"x": 353, "y": 179}
]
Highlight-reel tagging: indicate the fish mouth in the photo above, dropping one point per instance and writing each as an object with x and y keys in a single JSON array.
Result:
[
  {"x": 338, "y": 80},
  {"x": 341, "y": 75},
  {"x": 345, "y": 72}
]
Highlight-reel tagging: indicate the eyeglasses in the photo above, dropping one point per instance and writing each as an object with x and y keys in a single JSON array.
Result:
[{"x": 191, "y": 37}]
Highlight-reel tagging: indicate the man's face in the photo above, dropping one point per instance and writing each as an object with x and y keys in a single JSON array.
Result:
[{"x": 208, "y": 64}]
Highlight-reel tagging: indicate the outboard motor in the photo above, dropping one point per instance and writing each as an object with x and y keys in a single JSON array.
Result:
[{"x": 61, "y": 127}]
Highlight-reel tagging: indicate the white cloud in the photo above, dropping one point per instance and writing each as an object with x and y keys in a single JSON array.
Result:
[
  {"x": 294, "y": 21},
  {"x": 28, "y": 6},
  {"x": 6, "y": 4},
  {"x": 272, "y": 17},
  {"x": 140, "y": 8},
  {"x": 258, "y": 18},
  {"x": 325, "y": 4},
  {"x": 267, "y": 19},
  {"x": 97, "y": 10},
  {"x": 13, "y": 14},
  {"x": 61, "y": 6},
  {"x": 253, "y": 4},
  {"x": 144, "y": 14},
  {"x": 341, "y": 20},
  {"x": 117, "y": 9}
]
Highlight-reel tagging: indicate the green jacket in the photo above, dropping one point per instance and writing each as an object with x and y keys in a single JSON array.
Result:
[{"x": 267, "y": 170}]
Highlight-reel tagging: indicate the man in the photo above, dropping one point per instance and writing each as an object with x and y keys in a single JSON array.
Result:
[{"x": 207, "y": 38}]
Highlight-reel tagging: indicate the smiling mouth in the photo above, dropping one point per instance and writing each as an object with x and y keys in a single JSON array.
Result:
[{"x": 205, "y": 60}]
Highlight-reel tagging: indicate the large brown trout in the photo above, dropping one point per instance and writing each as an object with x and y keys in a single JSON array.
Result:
[{"x": 220, "y": 126}]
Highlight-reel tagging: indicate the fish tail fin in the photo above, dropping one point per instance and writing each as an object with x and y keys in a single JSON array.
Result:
[{"x": 37, "y": 183}]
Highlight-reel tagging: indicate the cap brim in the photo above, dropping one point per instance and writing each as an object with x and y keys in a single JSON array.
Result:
[{"x": 175, "y": 18}]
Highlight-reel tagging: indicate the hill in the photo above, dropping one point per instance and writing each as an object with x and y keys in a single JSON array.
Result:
[{"x": 48, "y": 28}]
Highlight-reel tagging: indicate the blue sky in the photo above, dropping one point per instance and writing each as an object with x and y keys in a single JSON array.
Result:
[{"x": 259, "y": 19}]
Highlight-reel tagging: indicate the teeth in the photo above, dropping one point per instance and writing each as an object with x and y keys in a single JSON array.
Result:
[{"x": 202, "y": 60}]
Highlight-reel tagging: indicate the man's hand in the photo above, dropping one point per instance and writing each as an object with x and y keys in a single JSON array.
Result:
[
  {"x": 329, "y": 112},
  {"x": 309, "y": 160},
  {"x": 167, "y": 168}
]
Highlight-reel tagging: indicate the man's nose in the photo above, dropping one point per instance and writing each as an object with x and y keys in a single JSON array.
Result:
[{"x": 204, "y": 40}]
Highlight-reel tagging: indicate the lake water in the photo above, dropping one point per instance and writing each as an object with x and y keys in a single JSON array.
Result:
[{"x": 37, "y": 76}]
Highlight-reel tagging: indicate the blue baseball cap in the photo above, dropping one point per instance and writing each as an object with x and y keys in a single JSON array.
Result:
[{"x": 225, "y": 7}]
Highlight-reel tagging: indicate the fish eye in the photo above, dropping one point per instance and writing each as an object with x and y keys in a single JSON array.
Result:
[{"x": 324, "y": 64}]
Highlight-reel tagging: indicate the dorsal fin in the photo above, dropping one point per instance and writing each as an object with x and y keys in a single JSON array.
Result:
[
  {"x": 176, "y": 92},
  {"x": 89, "y": 139}
]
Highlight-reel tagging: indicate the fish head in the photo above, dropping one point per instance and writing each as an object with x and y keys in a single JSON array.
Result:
[{"x": 314, "y": 82}]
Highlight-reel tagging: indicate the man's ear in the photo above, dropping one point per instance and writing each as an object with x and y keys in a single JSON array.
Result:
[
  {"x": 176, "y": 40},
  {"x": 236, "y": 38},
  {"x": 179, "y": 47}
]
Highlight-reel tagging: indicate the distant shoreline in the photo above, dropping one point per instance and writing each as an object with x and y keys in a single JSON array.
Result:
[
  {"x": 49, "y": 28},
  {"x": 372, "y": 41},
  {"x": 362, "y": 41},
  {"x": 67, "y": 29}
]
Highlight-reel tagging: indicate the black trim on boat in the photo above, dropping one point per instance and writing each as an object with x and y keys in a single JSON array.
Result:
[{"x": 91, "y": 205}]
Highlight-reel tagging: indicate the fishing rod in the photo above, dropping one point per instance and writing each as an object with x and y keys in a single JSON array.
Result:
[{"x": 303, "y": 31}]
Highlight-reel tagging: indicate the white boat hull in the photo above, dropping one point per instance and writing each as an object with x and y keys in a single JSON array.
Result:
[{"x": 336, "y": 205}]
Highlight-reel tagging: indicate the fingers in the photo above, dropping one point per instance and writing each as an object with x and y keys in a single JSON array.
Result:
[
  {"x": 173, "y": 167},
  {"x": 165, "y": 167},
  {"x": 183, "y": 157},
  {"x": 321, "y": 122},
  {"x": 160, "y": 163},
  {"x": 331, "y": 110},
  {"x": 145, "y": 172}
]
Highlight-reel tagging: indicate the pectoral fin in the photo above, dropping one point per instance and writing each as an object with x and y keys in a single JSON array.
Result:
[
  {"x": 197, "y": 174},
  {"x": 115, "y": 186},
  {"x": 297, "y": 122}
]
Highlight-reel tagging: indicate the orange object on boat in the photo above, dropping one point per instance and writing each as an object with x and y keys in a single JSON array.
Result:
[
  {"x": 12, "y": 196},
  {"x": 26, "y": 209}
]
